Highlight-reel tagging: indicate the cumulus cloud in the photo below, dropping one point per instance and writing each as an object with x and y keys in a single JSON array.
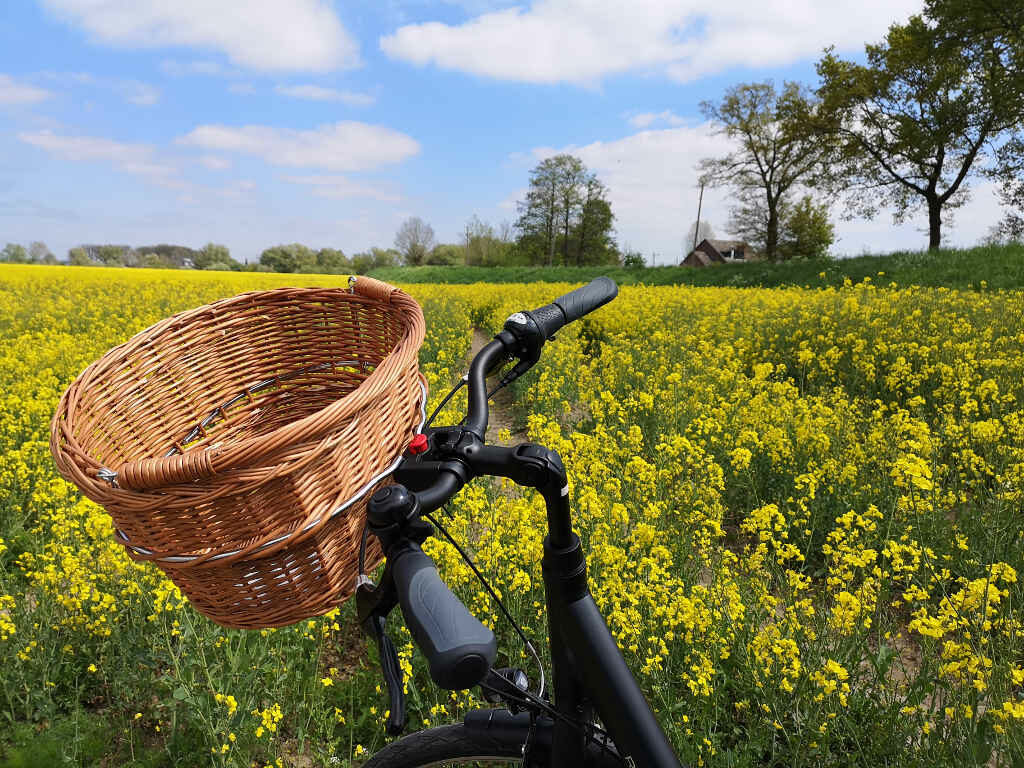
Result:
[
  {"x": 320, "y": 93},
  {"x": 343, "y": 146},
  {"x": 140, "y": 94},
  {"x": 647, "y": 119},
  {"x": 133, "y": 91},
  {"x": 300, "y": 35},
  {"x": 138, "y": 159},
  {"x": 339, "y": 187},
  {"x": 215, "y": 162},
  {"x": 653, "y": 185},
  {"x": 583, "y": 41},
  {"x": 13, "y": 92}
]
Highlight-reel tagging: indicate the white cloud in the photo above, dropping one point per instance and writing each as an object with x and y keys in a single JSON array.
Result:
[
  {"x": 319, "y": 93},
  {"x": 176, "y": 68},
  {"x": 246, "y": 89},
  {"x": 215, "y": 162},
  {"x": 140, "y": 94},
  {"x": 652, "y": 183},
  {"x": 343, "y": 146},
  {"x": 582, "y": 41},
  {"x": 647, "y": 119},
  {"x": 13, "y": 92},
  {"x": 339, "y": 187},
  {"x": 299, "y": 35},
  {"x": 136, "y": 159}
]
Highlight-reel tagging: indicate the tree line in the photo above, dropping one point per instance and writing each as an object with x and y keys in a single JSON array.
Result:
[{"x": 938, "y": 103}]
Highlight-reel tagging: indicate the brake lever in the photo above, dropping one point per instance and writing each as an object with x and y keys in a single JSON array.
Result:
[{"x": 374, "y": 603}]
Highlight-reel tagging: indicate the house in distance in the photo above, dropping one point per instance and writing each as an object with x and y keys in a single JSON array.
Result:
[{"x": 710, "y": 252}]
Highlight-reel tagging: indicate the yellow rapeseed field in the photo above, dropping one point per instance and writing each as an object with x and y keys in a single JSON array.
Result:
[{"x": 803, "y": 513}]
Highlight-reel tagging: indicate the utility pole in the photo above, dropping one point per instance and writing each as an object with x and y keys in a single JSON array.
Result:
[{"x": 696, "y": 229}]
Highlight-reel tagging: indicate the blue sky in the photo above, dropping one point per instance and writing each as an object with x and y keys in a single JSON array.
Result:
[{"x": 253, "y": 122}]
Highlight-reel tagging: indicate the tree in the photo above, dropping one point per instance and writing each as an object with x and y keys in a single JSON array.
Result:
[
  {"x": 481, "y": 245},
  {"x": 79, "y": 257},
  {"x": 990, "y": 34},
  {"x": 150, "y": 260},
  {"x": 699, "y": 231},
  {"x": 566, "y": 211},
  {"x": 632, "y": 259},
  {"x": 807, "y": 232},
  {"x": 331, "y": 261},
  {"x": 917, "y": 122},
  {"x": 212, "y": 253},
  {"x": 14, "y": 254},
  {"x": 414, "y": 240},
  {"x": 38, "y": 253},
  {"x": 175, "y": 256},
  {"x": 375, "y": 258},
  {"x": 779, "y": 149},
  {"x": 278, "y": 259},
  {"x": 111, "y": 255},
  {"x": 982, "y": 29},
  {"x": 538, "y": 213},
  {"x": 295, "y": 257},
  {"x": 447, "y": 255}
]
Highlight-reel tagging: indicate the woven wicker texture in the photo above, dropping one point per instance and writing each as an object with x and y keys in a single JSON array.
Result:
[{"x": 222, "y": 439}]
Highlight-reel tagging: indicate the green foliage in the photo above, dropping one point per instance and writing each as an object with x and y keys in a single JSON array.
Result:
[
  {"x": 331, "y": 261},
  {"x": 79, "y": 257},
  {"x": 1000, "y": 267},
  {"x": 149, "y": 260},
  {"x": 212, "y": 256},
  {"x": 13, "y": 253},
  {"x": 112, "y": 255},
  {"x": 917, "y": 121},
  {"x": 807, "y": 232},
  {"x": 174, "y": 256},
  {"x": 446, "y": 255},
  {"x": 566, "y": 217},
  {"x": 779, "y": 147},
  {"x": 633, "y": 260},
  {"x": 375, "y": 258}
]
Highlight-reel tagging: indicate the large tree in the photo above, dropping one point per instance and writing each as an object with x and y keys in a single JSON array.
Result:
[
  {"x": 778, "y": 149},
  {"x": 991, "y": 34},
  {"x": 565, "y": 212},
  {"x": 414, "y": 240},
  {"x": 917, "y": 121}
]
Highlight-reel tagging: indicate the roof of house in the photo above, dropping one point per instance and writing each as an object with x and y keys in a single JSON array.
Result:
[
  {"x": 700, "y": 256},
  {"x": 728, "y": 245}
]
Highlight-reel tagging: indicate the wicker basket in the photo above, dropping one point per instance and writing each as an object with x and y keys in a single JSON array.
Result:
[{"x": 235, "y": 445}]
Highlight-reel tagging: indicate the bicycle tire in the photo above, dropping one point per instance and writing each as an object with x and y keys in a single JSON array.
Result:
[
  {"x": 459, "y": 745},
  {"x": 447, "y": 745}
]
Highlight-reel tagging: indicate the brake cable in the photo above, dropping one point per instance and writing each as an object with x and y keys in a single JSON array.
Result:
[{"x": 469, "y": 561}]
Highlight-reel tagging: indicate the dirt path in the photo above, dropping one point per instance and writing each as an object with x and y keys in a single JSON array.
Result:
[{"x": 502, "y": 406}]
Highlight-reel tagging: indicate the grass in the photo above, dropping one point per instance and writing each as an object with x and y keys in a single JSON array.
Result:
[{"x": 1000, "y": 267}]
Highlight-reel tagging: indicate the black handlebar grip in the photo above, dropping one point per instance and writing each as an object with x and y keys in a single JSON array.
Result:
[
  {"x": 459, "y": 649},
  {"x": 574, "y": 305}
]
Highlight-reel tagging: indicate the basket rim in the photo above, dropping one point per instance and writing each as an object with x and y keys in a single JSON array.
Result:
[{"x": 366, "y": 290}]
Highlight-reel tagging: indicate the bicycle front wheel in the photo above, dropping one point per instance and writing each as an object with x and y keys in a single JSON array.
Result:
[{"x": 449, "y": 745}]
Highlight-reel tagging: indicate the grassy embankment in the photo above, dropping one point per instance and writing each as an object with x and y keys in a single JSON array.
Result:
[{"x": 1000, "y": 267}]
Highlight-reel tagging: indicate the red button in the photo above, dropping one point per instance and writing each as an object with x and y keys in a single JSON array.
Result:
[{"x": 419, "y": 444}]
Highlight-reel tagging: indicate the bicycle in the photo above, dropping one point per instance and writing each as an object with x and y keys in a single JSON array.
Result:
[{"x": 590, "y": 676}]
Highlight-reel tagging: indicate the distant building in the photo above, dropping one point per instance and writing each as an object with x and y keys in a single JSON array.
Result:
[{"x": 710, "y": 252}]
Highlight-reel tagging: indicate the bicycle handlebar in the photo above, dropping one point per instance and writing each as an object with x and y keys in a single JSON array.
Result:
[
  {"x": 459, "y": 649},
  {"x": 574, "y": 305}
]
